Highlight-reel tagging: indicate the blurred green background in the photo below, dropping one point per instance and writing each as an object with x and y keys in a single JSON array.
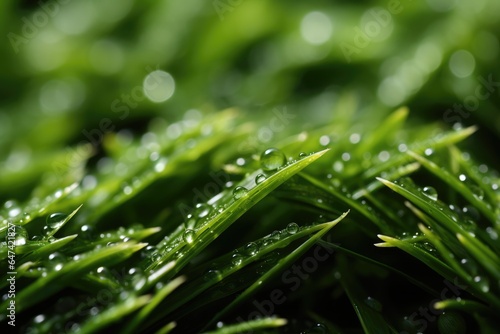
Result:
[{"x": 72, "y": 70}]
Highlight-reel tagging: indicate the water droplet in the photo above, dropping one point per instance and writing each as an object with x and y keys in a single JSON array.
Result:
[
  {"x": 150, "y": 252},
  {"x": 188, "y": 236},
  {"x": 292, "y": 228},
  {"x": 276, "y": 235},
  {"x": 160, "y": 165},
  {"x": 338, "y": 166},
  {"x": 483, "y": 283},
  {"x": 236, "y": 259},
  {"x": 137, "y": 280},
  {"x": 55, "y": 261},
  {"x": 272, "y": 159},
  {"x": 212, "y": 275},
  {"x": 252, "y": 248},
  {"x": 477, "y": 191},
  {"x": 202, "y": 210},
  {"x": 318, "y": 329},
  {"x": 469, "y": 265},
  {"x": 39, "y": 319},
  {"x": 86, "y": 232},
  {"x": 430, "y": 192},
  {"x": 429, "y": 247},
  {"x": 94, "y": 311},
  {"x": 241, "y": 162},
  {"x": 492, "y": 233},
  {"x": 470, "y": 213},
  {"x": 469, "y": 225},
  {"x": 104, "y": 273},
  {"x": 54, "y": 222},
  {"x": 302, "y": 155},
  {"x": 374, "y": 304},
  {"x": 324, "y": 140},
  {"x": 239, "y": 192},
  {"x": 260, "y": 178}
]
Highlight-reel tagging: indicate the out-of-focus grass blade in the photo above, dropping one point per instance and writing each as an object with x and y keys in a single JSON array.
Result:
[{"x": 113, "y": 314}]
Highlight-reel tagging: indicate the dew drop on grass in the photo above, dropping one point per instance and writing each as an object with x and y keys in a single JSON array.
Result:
[
  {"x": 212, "y": 275},
  {"x": 104, "y": 273},
  {"x": 477, "y": 192},
  {"x": 236, "y": 259},
  {"x": 55, "y": 221},
  {"x": 239, "y": 192},
  {"x": 276, "y": 235},
  {"x": 470, "y": 213},
  {"x": 292, "y": 228},
  {"x": 39, "y": 319},
  {"x": 317, "y": 329},
  {"x": 252, "y": 248},
  {"x": 260, "y": 178},
  {"x": 483, "y": 283},
  {"x": 429, "y": 247},
  {"x": 374, "y": 304},
  {"x": 56, "y": 261},
  {"x": 272, "y": 159},
  {"x": 188, "y": 236},
  {"x": 86, "y": 232},
  {"x": 430, "y": 192},
  {"x": 302, "y": 155},
  {"x": 492, "y": 233},
  {"x": 137, "y": 279},
  {"x": 21, "y": 235},
  {"x": 469, "y": 265},
  {"x": 202, "y": 210},
  {"x": 149, "y": 252}
]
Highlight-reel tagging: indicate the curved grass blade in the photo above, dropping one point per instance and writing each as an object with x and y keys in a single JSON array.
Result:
[
  {"x": 249, "y": 326},
  {"x": 113, "y": 314}
]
